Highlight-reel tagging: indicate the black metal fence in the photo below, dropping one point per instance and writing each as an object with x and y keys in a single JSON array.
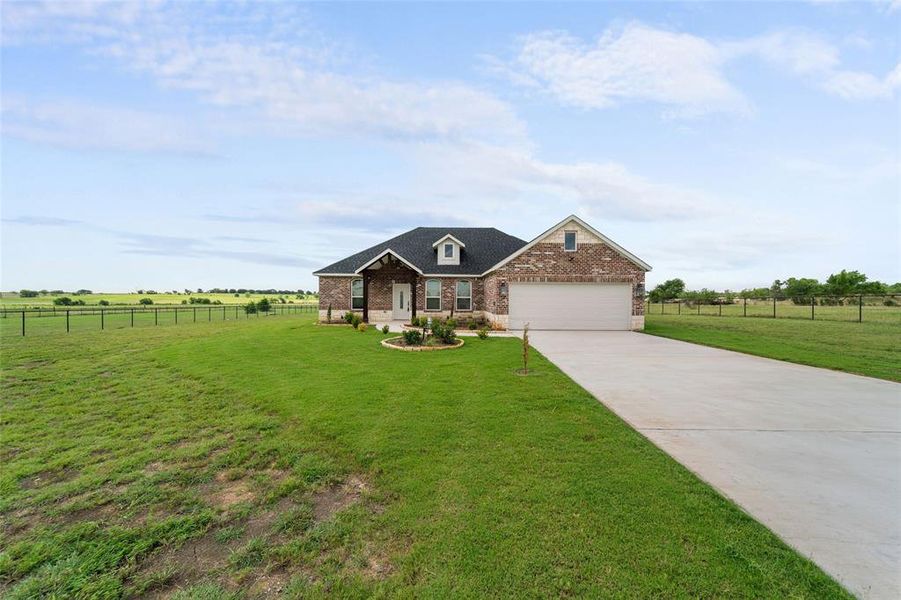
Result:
[
  {"x": 67, "y": 319},
  {"x": 857, "y": 307}
]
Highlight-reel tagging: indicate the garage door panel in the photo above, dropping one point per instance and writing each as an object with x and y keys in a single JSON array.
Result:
[{"x": 570, "y": 306}]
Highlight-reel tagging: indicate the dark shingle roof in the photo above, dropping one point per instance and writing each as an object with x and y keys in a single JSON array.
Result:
[{"x": 485, "y": 247}]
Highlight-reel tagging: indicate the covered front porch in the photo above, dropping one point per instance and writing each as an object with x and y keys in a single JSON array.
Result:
[{"x": 389, "y": 289}]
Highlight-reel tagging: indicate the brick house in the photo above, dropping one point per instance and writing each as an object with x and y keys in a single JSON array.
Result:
[{"x": 569, "y": 277}]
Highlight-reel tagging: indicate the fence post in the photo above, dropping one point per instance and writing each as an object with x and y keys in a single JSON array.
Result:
[
  {"x": 176, "y": 316},
  {"x": 23, "y": 323},
  {"x": 745, "y": 309},
  {"x": 132, "y": 317},
  {"x": 662, "y": 308},
  {"x": 67, "y": 321},
  {"x": 209, "y": 314},
  {"x": 860, "y": 309},
  {"x": 774, "y": 307},
  {"x": 223, "y": 313},
  {"x": 721, "y": 309},
  {"x": 699, "y": 308},
  {"x": 195, "y": 314},
  {"x": 156, "y": 316},
  {"x": 679, "y": 307},
  {"x": 813, "y": 301},
  {"x": 101, "y": 319}
]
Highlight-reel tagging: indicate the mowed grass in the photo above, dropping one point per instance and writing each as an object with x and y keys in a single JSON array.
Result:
[
  {"x": 873, "y": 309},
  {"x": 279, "y": 457},
  {"x": 869, "y": 348},
  {"x": 116, "y": 317}
]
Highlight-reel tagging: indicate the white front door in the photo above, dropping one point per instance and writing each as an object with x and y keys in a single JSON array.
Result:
[{"x": 401, "y": 305}]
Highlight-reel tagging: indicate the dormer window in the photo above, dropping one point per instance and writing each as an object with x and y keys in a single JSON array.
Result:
[
  {"x": 569, "y": 241},
  {"x": 448, "y": 250}
]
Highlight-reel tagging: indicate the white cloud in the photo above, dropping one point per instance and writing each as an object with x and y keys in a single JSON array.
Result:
[
  {"x": 797, "y": 51},
  {"x": 636, "y": 63},
  {"x": 857, "y": 85},
  {"x": 606, "y": 190},
  {"x": 264, "y": 58},
  {"x": 681, "y": 71},
  {"x": 73, "y": 124},
  {"x": 811, "y": 57}
]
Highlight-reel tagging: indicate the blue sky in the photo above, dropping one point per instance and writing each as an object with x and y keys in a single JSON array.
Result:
[{"x": 173, "y": 145}]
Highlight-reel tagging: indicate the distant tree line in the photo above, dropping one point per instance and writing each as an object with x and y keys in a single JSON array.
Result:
[
  {"x": 36, "y": 293},
  {"x": 800, "y": 290}
]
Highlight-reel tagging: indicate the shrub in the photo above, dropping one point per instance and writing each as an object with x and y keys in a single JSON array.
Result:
[
  {"x": 412, "y": 337},
  {"x": 263, "y": 305},
  {"x": 443, "y": 332},
  {"x": 385, "y": 329},
  {"x": 362, "y": 327},
  {"x": 145, "y": 301},
  {"x": 349, "y": 317},
  {"x": 63, "y": 301},
  {"x": 250, "y": 308},
  {"x": 28, "y": 293},
  {"x": 473, "y": 325},
  {"x": 356, "y": 320},
  {"x": 416, "y": 321},
  {"x": 103, "y": 302},
  {"x": 78, "y": 303},
  {"x": 889, "y": 302},
  {"x": 452, "y": 323},
  {"x": 483, "y": 333}
]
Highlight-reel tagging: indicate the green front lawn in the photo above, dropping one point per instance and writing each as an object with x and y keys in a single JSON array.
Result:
[
  {"x": 868, "y": 348},
  {"x": 269, "y": 455}
]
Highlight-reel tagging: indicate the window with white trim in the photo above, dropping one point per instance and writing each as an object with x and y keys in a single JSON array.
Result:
[
  {"x": 448, "y": 250},
  {"x": 569, "y": 241},
  {"x": 433, "y": 294},
  {"x": 464, "y": 295},
  {"x": 356, "y": 294}
]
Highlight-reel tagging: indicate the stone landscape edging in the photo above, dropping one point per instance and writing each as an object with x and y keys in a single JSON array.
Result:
[{"x": 457, "y": 344}]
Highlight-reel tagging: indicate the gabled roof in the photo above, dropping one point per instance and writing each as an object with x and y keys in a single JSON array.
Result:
[
  {"x": 571, "y": 218},
  {"x": 385, "y": 252},
  {"x": 484, "y": 246},
  {"x": 451, "y": 238}
]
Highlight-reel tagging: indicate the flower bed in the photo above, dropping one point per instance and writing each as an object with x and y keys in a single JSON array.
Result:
[{"x": 398, "y": 343}]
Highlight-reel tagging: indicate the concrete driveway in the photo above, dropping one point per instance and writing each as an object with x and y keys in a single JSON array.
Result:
[{"x": 813, "y": 454}]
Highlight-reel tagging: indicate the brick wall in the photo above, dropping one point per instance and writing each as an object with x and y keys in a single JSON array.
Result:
[
  {"x": 448, "y": 294},
  {"x": 592, "y": 262},
  {"x": 381, "y": 284},
  {"x": 334, "y": 291}
]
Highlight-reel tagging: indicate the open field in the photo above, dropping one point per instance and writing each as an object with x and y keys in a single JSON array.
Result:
[
  {"x": 10, "y": 300},
  {"x": 92, "y": 318},
  {"x": 255, "y": 456},
  {"x": 869, "y": 348},
  {"x": 873, "y": 309}
]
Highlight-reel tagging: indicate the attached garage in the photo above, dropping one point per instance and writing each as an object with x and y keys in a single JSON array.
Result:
[{"x": 581, "y": 306}]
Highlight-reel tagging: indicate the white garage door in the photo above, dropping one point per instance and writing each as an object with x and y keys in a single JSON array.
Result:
[{"x": 587, "y": 306}]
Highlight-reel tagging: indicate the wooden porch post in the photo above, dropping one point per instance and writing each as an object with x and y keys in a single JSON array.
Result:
[
  {"x": 366, "y": 295},
  {"x": 413, "y": 297}
]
